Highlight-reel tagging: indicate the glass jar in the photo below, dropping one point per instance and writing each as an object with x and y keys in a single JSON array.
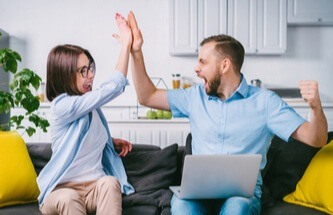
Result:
[{"x": 186, "y": 82}]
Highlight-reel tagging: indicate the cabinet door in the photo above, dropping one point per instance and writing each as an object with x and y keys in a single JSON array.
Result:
[
  {"x": 260, "y": 25},
  {"x": 242, "y": 23},
  {"x": 212, "y": 18},
  {"x": 183, "y": 27},
  {"x": 272, "y": 27},
  {"x": 310, "y": 12}
]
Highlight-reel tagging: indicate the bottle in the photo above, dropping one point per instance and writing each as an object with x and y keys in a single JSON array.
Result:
[
  {"x": 175, "y": 81},
  {"x": 256, "y": 83}
]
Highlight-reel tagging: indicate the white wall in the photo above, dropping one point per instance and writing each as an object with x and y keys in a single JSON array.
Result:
[{"x": 36, "y": 26}]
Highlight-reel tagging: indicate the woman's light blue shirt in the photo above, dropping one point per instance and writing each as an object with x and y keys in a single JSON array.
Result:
[
  {"x": 70, "y": 121},
  {"x": 245, "y": 123}
]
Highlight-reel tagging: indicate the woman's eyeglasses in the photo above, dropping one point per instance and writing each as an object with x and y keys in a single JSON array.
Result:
[{"x": 84, "y": 70}]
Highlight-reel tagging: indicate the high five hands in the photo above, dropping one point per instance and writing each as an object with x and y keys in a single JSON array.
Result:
[{"x": 124, "y": 26}]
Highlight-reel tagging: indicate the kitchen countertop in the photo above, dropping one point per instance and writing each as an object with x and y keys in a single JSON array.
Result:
[{"x": 291, "y": 102}]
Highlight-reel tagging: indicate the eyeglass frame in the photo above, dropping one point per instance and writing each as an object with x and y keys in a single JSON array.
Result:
[{"x": 91, "y": 68}]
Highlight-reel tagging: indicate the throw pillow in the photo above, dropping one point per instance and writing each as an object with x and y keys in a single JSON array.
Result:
[
  {"x": 151, "y": 172},
  {"x": 153, "y": 169},
  {"x": 287, "y": 162},
  {"x": 315, "y": 189},
  {"x": 17, "y": 174}
]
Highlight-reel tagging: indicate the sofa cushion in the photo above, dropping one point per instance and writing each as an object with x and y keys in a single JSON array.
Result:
[
  {"x": 315, "y": 189},
  {"x": 145, "y": 209},
  {"x": 283, "y": 208},
  {"x": 151, "y": 172},
  {"x": 30, "y": 209},
  {"x": 166, "y": 211},
  {"x": 287, "y": 163},
  {"x": 17, "y": 174}
]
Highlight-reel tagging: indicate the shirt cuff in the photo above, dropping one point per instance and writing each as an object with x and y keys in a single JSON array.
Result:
[{"x": 119, "y": 77}]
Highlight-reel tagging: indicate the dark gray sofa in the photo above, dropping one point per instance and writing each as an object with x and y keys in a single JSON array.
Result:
[{"x": 151, "y": 170}]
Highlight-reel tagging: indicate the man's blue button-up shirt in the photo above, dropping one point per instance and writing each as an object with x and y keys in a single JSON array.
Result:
[{"x": 245, "y": 123}]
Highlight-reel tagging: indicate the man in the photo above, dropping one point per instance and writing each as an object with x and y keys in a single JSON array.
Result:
[{"x": 237, "y": 118}]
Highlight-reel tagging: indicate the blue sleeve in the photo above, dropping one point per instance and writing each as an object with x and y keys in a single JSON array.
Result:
[
  {"x": 68, "y": 108},
  {"x": 179, "y": 102},
  {"x": 282, "y": 119}
]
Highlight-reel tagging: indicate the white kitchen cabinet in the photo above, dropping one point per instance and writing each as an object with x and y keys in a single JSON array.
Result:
[
  {"x": 183, "y": 27},
  {"x": 212, "y": 18},
  {"x": 260, "y": 25},
  {"x": 154, "y": 132},
  {"x": 193, "y": 20},
  {"x": 242, "y": 23},
  {"x": 123, "y": 124},
  {"x": 310, "y": 12},
  {"x": 272, "y": 27}
]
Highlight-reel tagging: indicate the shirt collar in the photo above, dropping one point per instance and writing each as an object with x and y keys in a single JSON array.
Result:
[{"x": 241, "y": 91}]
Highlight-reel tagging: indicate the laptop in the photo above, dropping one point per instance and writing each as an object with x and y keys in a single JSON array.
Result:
[{"x": 218, "y": 176}]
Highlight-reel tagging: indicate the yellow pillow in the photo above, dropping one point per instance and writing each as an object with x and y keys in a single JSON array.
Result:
[
  {"x": 17, "y": 174},
  {"x": 315, "y": 189}
]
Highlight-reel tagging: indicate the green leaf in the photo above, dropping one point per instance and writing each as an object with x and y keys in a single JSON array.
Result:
[
  {"x": 43, "y": 124},
  {"x": 13, "y": 84},
  {"x": 10, "y": 65},
  {"x": 30, "y": 131},
  {"x": 34, "y": 119},
  {"x": 35, "y": 81},
  {"x": 30, "y": 103},
  {"x": 9, "y": 59},
  {"x": 17, "y": 120},
  {"x": 17, "y": 56},
  {"x": 6, "y": 101}
]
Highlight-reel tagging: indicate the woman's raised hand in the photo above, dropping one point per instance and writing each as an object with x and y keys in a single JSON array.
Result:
[{"x": 125, "y": 34}]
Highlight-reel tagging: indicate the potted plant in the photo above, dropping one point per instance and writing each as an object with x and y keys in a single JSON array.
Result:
[{"x": 20, "y": 95}]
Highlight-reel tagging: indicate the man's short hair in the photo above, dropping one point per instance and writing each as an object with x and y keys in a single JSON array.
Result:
[{"x": 229, "y": 47}]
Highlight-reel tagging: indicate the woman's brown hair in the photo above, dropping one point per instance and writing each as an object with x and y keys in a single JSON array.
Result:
[{"x": 62, "y": 68}]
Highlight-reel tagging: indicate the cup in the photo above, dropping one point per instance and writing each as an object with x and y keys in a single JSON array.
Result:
[{"x": 186, "y": 82}]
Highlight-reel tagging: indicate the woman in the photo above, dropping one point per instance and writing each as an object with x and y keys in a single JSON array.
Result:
[{"x": 85, "y": 173}]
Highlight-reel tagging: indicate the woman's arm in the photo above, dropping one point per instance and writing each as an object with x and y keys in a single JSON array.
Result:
[{"x": 125, "y": 39}]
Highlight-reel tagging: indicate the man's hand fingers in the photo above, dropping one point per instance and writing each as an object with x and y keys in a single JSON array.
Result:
[{"x": 132, "y": 21}]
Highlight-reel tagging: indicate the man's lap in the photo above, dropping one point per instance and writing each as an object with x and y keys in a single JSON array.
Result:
[{"x": 232, "y": 205}]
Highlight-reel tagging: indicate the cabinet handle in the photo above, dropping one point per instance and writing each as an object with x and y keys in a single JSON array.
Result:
[{"x": 319, "y": 19}]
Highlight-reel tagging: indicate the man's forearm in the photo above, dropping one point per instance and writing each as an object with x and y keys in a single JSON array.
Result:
[
  {"x": 318, "y": 126},
  {"x": 314, "y": 131}
]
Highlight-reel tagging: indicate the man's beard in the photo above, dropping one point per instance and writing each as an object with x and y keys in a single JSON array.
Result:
[{"x": 214, "y": 85}]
